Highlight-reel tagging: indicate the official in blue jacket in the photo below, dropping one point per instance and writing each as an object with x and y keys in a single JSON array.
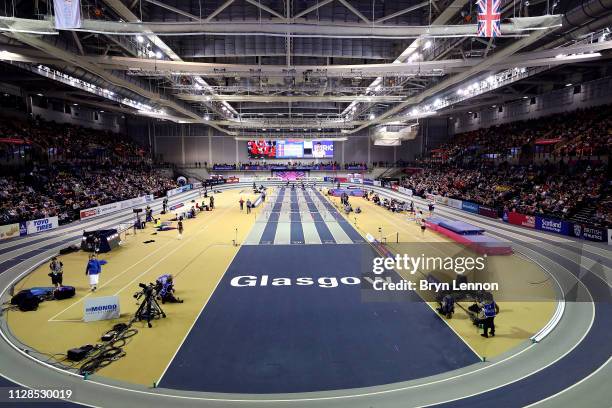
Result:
[
  {"x": 489, "y": 310},
  {"x": 93, "y": 270}
]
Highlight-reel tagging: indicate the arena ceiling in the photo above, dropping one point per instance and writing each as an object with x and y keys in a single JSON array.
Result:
[{"x": 327, "y": 67}]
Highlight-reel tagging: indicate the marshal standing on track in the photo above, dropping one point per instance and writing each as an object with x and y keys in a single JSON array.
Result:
[
  {"x": 488, "y": 311},
  {"x": 180, "y": 228},
  {"x": 57, "y": 272}
]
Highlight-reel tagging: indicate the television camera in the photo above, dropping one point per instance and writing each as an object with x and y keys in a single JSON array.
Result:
[{"x": 149, "y": 308}]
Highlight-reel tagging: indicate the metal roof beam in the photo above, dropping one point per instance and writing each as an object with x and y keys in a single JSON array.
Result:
[
  {"x": 266, "y": 8},
  {"x": 518, "y": 27},
  {"x": 401, "y": 12},
  {"x": 174, "y": 10},
  {"x": 218, "y": 10},
  {"x": 355, "y": 11},
  {"x": 312, "y": 8},
  {"x": 292, "y": 98}
]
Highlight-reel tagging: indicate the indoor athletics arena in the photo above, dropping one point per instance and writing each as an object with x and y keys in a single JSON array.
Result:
[{"x": 305, "y": 203}]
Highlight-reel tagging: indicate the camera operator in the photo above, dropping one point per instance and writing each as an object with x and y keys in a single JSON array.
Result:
[{"x": 165, "y": 289}]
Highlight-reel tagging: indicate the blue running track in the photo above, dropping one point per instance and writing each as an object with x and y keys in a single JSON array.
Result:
[
  {"x": 267, "y": 237},
  {"x": 350, "y": 231},
  {"x": 282, "y": 339},
  {"x": 297, "y": 232}
]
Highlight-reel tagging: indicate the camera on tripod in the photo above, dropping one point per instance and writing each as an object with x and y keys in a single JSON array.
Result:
[
  {"x": 147, "y": 290},
  {"x": 149, "y": 309}
]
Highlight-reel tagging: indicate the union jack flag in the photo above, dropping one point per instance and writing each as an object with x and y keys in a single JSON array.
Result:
[{"x": 489, "y": 18}]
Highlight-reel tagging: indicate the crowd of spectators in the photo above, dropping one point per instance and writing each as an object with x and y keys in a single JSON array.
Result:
[
  {"x": 584, "y": 132},
  {"x": 71, "y": 168},
  {"x": 556, "y": 190},
  {"x": 71, "y": 143},
  {"x": 475, "y": 166},
  {"x": 65, "y": 190}
]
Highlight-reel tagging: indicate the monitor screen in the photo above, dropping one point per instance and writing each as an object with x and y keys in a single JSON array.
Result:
[
  {"x": 290, "y": 149},
  {"x": 262, "y": 149}
]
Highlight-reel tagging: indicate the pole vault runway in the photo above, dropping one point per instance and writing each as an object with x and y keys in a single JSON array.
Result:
[{"x": 292, "y": 318}]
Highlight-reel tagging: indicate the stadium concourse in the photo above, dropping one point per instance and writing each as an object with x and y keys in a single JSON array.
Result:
[{"x": 306, "y": 203}]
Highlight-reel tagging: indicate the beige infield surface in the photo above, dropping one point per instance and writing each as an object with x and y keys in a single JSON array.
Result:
[{"x": 198, "y": 262}]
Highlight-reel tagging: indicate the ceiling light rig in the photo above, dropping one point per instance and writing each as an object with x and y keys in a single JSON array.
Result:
[
  {"x": 94, "y": 89},
  {"x": 476, "y": 88}
]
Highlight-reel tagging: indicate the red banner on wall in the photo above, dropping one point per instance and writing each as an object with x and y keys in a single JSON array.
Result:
[{"x": 521, "y": 219}]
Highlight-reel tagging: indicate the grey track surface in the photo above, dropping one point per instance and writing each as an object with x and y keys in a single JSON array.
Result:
[{"x": 521, "y": 362}]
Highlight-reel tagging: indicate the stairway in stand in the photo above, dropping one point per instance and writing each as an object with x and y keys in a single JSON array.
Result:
[{"x": 584, "y": 215}]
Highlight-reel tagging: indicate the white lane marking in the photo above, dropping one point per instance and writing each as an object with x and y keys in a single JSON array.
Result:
[
  {"x": 572, "y": 386},
  {"x": 197, "y": 318},
  {"x": 298, "y": 399},
  {"x": 52, "y": 319}
]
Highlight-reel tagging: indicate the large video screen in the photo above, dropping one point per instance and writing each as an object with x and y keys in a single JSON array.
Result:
[
  {"x": 290, "y": 149},
  {"x": 319, "y": 149},
  {"x": 262, "y": 149}
]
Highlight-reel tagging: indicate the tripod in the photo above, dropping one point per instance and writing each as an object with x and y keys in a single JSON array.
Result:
[{"x": 149, "y": 309}]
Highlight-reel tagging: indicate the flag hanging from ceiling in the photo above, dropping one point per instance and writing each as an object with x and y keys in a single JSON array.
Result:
[
  {"x": 489, "y": 18},
  {"x": 67, "y": 14}
]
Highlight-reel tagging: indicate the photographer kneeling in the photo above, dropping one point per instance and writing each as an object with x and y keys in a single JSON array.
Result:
[{"x": 165, "y": 289}]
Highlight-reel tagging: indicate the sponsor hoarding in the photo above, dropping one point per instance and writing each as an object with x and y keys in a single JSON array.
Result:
[
  {"x": 521, "y": 219},
  {"x": 179, "y": 190},
  {"x": 588, "y": 233},
  {"x": 470, "y": 207},
  {"x": 42, "y": 224},
  {"x": 101, "y": 308},
  {"x": 112, "y": 207},
  {"x": 488, "y": 212},
  {"x": 552, "y": 225},
  {"x": 9, "y": 231},
  {"x": 455, "y": 203},
  {"x": 405, "y": 190},
  {"x": 441, "y": 200}
]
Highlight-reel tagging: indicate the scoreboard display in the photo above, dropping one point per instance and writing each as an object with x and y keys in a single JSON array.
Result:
[
  {"x": 262, "y": 149},
  {"x": 290, "y": 149}
]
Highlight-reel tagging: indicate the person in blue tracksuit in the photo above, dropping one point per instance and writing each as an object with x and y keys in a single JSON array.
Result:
[{"x": 93, "y": 270}]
